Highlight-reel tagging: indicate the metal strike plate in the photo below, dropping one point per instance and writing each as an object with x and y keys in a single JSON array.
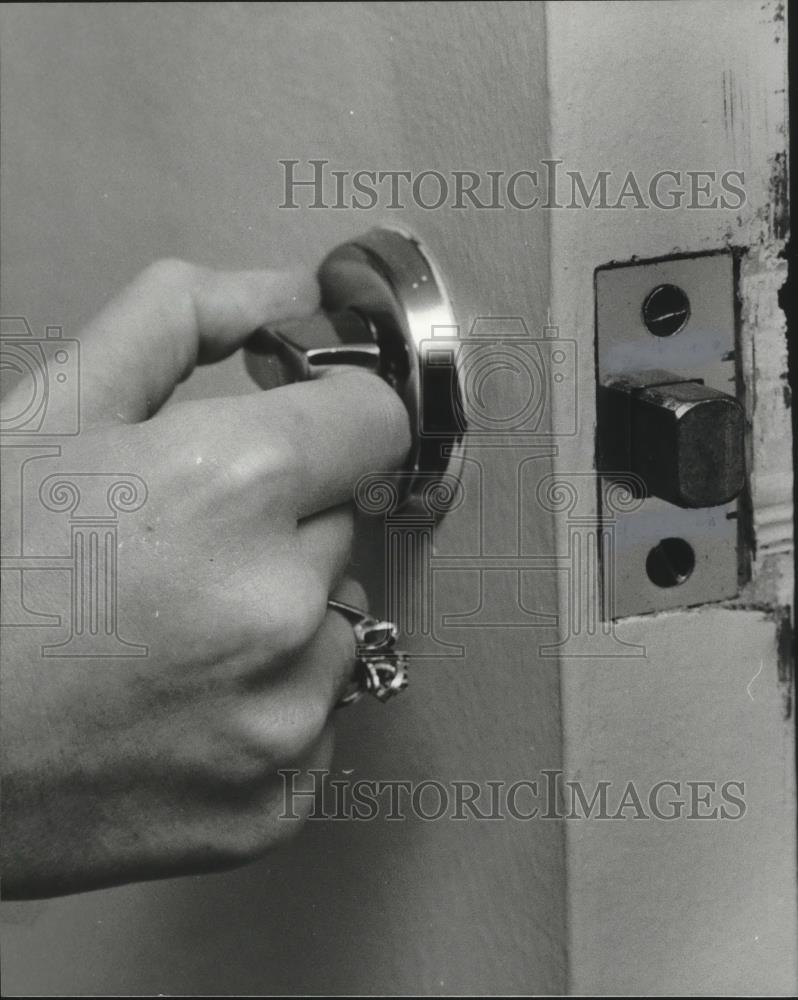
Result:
[
  {"x": 668, "y": 326},
  {"x": 382, "y": 301}
]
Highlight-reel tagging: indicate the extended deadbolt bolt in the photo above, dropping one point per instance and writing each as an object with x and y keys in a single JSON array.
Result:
[{"x": 682, "y": 438}]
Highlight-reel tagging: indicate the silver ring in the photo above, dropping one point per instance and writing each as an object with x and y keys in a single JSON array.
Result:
[{"x": 379, "y": 670}]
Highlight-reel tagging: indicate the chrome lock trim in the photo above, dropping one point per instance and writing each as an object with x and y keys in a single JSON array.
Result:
[{"x": 382, "y": 302}]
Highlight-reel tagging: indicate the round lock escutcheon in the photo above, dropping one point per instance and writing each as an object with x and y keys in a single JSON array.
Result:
[{"x": 384, "y": 308}]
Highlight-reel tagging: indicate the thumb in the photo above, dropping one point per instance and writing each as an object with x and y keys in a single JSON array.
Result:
[{"x": 173, "y": 317}]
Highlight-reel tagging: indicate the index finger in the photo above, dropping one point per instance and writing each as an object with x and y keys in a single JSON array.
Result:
[{"x": 314, "y": 439}]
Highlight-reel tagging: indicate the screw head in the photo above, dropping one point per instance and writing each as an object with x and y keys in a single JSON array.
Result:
[
  {"x": 666, "y": 310},
  {"x": 670, "y": 563}
]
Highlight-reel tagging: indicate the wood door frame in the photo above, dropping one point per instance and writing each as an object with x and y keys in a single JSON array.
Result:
[{"x": 692, "y": 87}]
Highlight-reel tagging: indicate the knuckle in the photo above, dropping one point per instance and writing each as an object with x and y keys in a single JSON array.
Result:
[
  {"x": 346, "y": 645},
  {"x": 262, "y": 476},
  {"x": 295, "y": 611},
  {"x": 280, "y": 465},
  {"x": 388, "y": 416},
  {"x": 264, "y": 623},
  {"x": 171, "y": 273},
  {"x": 257, "y": 740},
  {"x": 298, "y": 415},
  {"x": 171, "y": 285},
  {"x": 241, "y": 842},
  {"x": 351, "y": 591},
  {"x": 270, "y": 820},
  {"x": 342, "y": 665},
  {"x": 272, "y": 467},
  {"x": 270, "y": 814},
  {"x": 294, "y": 733},
  {"x": 346, "y": 527},
  {"x": 224, "y": 759},
  {"x": 235, "y": 475},
  {"x": 241, "y": 769},
  {"x": 273, "y": 734}
]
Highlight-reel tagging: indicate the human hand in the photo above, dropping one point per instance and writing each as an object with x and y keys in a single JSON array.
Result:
[{"x": 120, "y": 769}]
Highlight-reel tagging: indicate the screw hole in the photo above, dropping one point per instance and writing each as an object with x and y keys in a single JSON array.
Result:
[
  {"x": 666, "y": 310},
  {"x": 671, "y": 562}
]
